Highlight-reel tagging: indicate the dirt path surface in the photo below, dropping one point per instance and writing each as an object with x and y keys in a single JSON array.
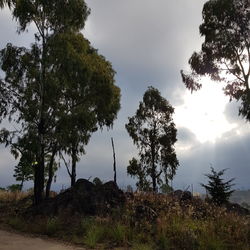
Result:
[{"x": 14, "y": 241}]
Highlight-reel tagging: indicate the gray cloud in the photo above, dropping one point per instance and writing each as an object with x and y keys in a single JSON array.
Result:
[
  {"x": 232, "y": 112},
  {"x": 147, "y": 41},
  {"x": 7, "y": 164},
  {"x": 185, "y": 136},
  {"x": 231, "y": 153},
  {"x": 8, "y": 28}
]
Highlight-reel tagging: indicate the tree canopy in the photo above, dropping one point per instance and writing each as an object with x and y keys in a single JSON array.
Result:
[
  {"x": 153, "y": 132},
  {"x": 225, "y": 52},
  {"x": 219, "y": 189},
  {"x": 60, "y": 90}
]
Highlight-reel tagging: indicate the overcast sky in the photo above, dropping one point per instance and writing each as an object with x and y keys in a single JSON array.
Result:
[{"x": 148, "y": 42}]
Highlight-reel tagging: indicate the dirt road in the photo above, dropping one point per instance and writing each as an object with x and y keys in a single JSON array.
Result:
[{"x": 13, "y": 241}]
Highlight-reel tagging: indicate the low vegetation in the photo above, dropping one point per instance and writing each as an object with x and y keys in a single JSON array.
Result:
[{"x": 146, "y": 221}]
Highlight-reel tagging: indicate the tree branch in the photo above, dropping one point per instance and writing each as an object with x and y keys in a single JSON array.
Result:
[
  {"x": 231, "y": 71},
  {"x": 66, "y": 164}
]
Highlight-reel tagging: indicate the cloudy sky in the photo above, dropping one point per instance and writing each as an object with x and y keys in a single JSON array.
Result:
[{"x": 148, "y": 43}]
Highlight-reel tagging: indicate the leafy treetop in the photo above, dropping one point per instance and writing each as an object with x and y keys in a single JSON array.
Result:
[
  {"x": 153, "y": 132},
  {"x": 225, "y": 52},
  {"x": 219, "y": 189}
]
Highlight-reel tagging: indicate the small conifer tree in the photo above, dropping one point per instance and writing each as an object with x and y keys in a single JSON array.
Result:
[{"x": 219, "y": 189}]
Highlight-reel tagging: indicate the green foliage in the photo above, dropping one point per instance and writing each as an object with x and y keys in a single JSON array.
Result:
[
  {"x": 24, "y": 171},
  {"x": 153, "y": 132},
  {"x": 212, "y": 244},
  {"x": 52, "y": 226},
  {"x": 225, "y": 52},
  {"x": 135, "y": 169},
  {"x": 166, "y": 189},
  {"x": 219, "y": 189},
  {"x": 140, "y": 246},
  {"x": 118, "y": 233},
  {"x": 52, "y": 89},
  {"x": 14, "y": 187},
  {"x": 94, "y": 235},
  {"x": 163, "y": 242},
  {"x": 17, "y": 223}
]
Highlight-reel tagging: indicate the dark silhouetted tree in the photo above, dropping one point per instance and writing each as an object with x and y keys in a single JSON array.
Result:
[
  {"x": 60, "y": 90},
  {"x": 166, "y": 189},
  {"x": 219, "y": 190},
  {"x": 153, "y": 132},
  {"x": 225, "y": 53},
  {"x": 31, "y": 88},
  {"x": 23, "y": 171},
  {"x": 91, "y": 99},
  {"x": 136, "y": 170},
  {"x": 14, "y": 187}
]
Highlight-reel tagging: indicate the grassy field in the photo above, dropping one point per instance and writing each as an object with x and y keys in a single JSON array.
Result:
[{"x": 147, "y": 221}]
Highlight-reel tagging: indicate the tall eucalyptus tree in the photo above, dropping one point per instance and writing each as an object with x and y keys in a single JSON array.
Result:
[
  {"x": 153, "y": 132},
  {"x": 60, "y": 89},
  {"x": 225, "y": 52}
]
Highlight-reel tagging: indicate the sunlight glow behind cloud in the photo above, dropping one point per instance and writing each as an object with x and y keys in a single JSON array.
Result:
[{"x": 203, "y": 113}]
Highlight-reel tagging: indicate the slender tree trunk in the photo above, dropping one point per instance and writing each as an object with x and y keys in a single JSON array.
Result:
[
  {"x": 153, "y": 173},
  {"x": 39, "y": 178},
  {"x": 153, "y": 178},
  {"x": 51, "y": 172},
  {"x": 114, "y": 159},
  {"x": 73, "y": 170},
  {"x": 21, "y": 185},
  {"x": 39, "y": 168}
]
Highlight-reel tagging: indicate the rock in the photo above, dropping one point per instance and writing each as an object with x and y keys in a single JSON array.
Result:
[
  {"x": 177, "y": 194},
  {"x": 186, "y": 196},
  {"x": 143, "y": 212},
  {"x": 84, "y": 198},
  {"x": 182, "y": 195}
]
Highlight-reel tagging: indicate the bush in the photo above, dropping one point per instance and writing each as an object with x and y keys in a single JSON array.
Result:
[
  {"x": 95, "y": 234},
  {"x": 139, "y": 246},
  {"x": 17, "y": 223},
  {"x": 52, "y": 226},
  {"x": 14, "y": 187},
  {"x": 219, "y": 189},
  {"x": 119, "y": 233}
]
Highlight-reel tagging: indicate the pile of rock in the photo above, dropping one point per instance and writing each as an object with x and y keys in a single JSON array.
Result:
[{"x": 84, "y": 198}]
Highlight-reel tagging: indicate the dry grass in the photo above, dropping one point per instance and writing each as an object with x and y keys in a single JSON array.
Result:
[
  {"x": 192, "y": 224},
  {"x": 149, "y": 221},
  {"x": 7, "y": 196}
]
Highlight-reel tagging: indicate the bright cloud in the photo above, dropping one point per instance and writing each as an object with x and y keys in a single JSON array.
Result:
[{"x": 203, "y": 113}]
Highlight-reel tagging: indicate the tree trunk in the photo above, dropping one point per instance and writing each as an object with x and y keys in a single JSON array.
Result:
[
  {"x": 73, "y": 170},
  {"x": 39, "y": 167},
  {"x": 114, "y": 159},
  {"x": 153, "y": 175},
  {"x": 153, "y": 172},
  {"x": 39, "y": 179},
  {"x": 21, "y": 185},
  {"x": 51, "y": 173}
]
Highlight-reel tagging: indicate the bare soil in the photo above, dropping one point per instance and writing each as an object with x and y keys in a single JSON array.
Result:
[{"x": 14, "y": 241}]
